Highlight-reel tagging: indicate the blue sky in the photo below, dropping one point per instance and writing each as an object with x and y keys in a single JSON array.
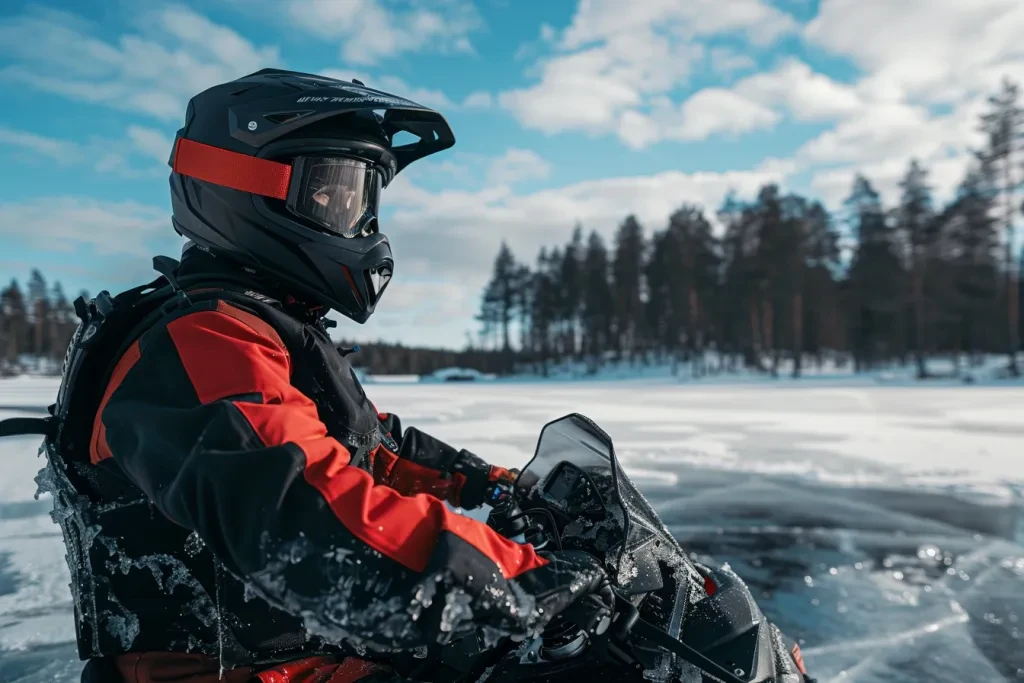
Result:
[{"x": 564, "y": 112}]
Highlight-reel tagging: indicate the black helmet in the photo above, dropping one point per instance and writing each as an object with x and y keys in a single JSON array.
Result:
[{"x": 282, "y": 172}]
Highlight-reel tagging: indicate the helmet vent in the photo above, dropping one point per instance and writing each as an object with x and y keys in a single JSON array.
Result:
[
  {"x": 404, "y": 137},
  {"x": 284, "y": 117}
]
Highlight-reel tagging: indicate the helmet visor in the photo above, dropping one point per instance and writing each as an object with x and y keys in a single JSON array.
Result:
[{"x": 337, "y": 193}]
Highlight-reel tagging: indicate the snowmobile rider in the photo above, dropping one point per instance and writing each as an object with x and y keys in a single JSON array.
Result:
[{"x": 243, "y": 503}]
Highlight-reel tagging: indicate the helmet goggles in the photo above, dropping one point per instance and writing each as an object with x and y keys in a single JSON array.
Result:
[{"x": 337, "y": 194}]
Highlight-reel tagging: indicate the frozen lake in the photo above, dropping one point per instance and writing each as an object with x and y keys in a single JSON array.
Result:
[{"x": 881, "y": 525}]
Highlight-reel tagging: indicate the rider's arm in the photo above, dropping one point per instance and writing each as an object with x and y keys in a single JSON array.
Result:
[
  {"x": 202, "y": 417},
  {"x": 416, "y": 462}
]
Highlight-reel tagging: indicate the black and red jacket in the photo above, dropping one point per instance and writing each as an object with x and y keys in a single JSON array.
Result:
[{"x": 245, "y": 500}]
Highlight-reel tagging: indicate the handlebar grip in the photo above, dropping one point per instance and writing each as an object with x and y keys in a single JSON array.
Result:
[
  {"x": 505, "y": 517},
  {"x": 626, "y": 616},
  {"x": 591, "y": 614}
]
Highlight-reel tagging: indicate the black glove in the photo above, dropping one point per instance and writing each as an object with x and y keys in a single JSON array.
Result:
[
  {"x": 573, "y": 584},
  {"x": 478, "y": 477},
  {"x": 481, "y": 479}
]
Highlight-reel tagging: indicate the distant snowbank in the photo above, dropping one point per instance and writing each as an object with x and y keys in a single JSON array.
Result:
[
  {"x": 391, "y": 379},
  {"x": 28, "y": 392},
  {"x": 990, "y": 371},
  {"x": 457, "y": 375},
  {"x": 987, "y": 371}
]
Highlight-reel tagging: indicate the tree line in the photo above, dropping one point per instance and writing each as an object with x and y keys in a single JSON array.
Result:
[
  {"x": 37, "y": 321},
  {"x": 765, "y": 280},
  {"x": 782, "y": 278}
]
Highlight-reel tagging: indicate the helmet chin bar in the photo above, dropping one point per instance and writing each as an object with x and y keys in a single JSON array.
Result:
[
  {"x": 377, "y": 280},
  {"x": 351, "y": 274}
]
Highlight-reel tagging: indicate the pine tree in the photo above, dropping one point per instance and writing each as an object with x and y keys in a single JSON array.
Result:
[
  {"x": 38, "y": 307},
  {"x": 15, "y": 320},
  {"x": 61, "y": 324},
  {"x": 799, "y": 229},
  {"x": 682, "y": 276},
  {"x": 524, "y": 292},
  {"x": 597, "y": 300},
  {"x": 775, "y": 261},
  {"x": 1003, "y": 125},
  {"x": 571, "y": 289},
  {"x": 970, "y": 229},
  {"x": 501, "y": 296},
  {"x": 627, "y": 271},
  {"x": 739, "y": 330},
  {"x": 820, "y": 323},
  {"x": 915, "y": 220},
  {"x": 543, "y": 304},
  {"x": 874, "y": 279}
]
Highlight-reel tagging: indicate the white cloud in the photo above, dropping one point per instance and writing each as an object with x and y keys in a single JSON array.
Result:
[
  {"x": 66, "y": 224},
  {"x": 708, "y": 112},
  {"x": 478, "y": 99},
  {"x": 880, "y": 140},
  {"x": 715, "y": 110},
  {"x": 415, "y": 311},
  {"x": 807, "y": 95},
  {"x": 834, "y": 185},
  {"x": 457, "y": 232},
  {"x": 725, "y": 61},
  {"x": 516, "y": 165},
  {"x": 612, "y": 67},
  {"x": 885, "y": 130},
  {"x": 585, "y": 90},
  {"x": 754, "y": 103},
  {"x": 638, "y": 130},
  {"x": 920, "y": 53},
  {"x": 150, "y": 142},
  {"x": 408, "y": 297},
  {"x": 531, "y": 48},
  {"x": 597, "y": 20},
  {"x": 429, "y": 97},
  {"x": 176, "y": 54},
  {"x": 63, "y": 151},
  {"x": 369, "y": 31},
  {"x": 103, "y": 155},
  {"x": 934, "y": 50}
]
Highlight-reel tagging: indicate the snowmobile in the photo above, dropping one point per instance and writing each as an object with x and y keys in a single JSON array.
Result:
[{"x": 674, "y": 620}]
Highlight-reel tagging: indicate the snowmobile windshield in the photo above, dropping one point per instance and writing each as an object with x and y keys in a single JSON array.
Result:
[{"x": 575, "y": 471}]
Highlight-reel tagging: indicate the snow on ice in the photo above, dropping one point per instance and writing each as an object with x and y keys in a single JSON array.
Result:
[{"x": 879, "y": 524}]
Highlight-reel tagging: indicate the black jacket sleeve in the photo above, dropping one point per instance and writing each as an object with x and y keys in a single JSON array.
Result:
[
  {"x": 202, "y": 417},
  {"x": 417, "y": 462}
]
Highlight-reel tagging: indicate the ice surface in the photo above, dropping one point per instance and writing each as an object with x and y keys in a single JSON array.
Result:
[{"x": 900, "y": 503}]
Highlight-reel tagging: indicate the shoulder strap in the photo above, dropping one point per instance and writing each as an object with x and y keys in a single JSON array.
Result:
[
  {"x": 168, "y": 292},
  {"x": 21, "y": 426}
]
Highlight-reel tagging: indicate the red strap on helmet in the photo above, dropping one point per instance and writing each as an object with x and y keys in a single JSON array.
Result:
[{"x": 232, "y": 169}]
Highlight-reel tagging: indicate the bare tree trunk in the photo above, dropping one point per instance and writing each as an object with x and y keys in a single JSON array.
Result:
[
  {"x": 798, "y": 332},
  {"x": 1011, "y": 269},
  {"x": 698, "y": 336},
  {"x": 755, "y": 333},
  {"x": 1013, "y": 306},
  {"x": 919, "y": 326},
  {"x": 39, "y": 329},
  {"x": 767, "y": 319}
]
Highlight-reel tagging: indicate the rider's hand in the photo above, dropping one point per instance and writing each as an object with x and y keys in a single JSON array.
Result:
[
  {"x": 526, "y": 481},
  {"x": 591, "y": 599},
  {"x": 480, "y": 479}
]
